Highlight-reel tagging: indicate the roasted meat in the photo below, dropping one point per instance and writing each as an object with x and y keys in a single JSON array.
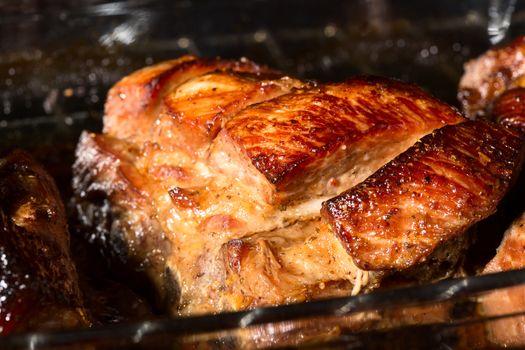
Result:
[
  {"x": 38, "y": 280},
  {"x": 509, "y": 108},
  {"x": 494, "y": 86},
  {"x": 223, "y": 173},
  {"x": 408, "y": 218},
  {"x": 290, "y": 147},
  {"x": 489, "y": 75},
  {"x": 134, "y": 103},
  {"x": 427, "y": 197},
  {"x": 510, "y": 255}
]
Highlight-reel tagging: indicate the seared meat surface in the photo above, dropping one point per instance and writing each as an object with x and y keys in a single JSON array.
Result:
[
  {"x": 409, "y": 216},
  {"x": 489, "y": 75},
  {"x": 291, "y": 146},
  {"x": 135, "y": 101},
  {"x": 39, "y": 284},
  {"x": 427, "y": 196},
  {"x": 509, "y": 109},
  {"x": 220, "y": 171}
]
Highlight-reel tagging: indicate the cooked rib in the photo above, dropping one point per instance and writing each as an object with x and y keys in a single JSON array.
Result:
[
  {"x": 257, "y": 152},
  {"x": 426, "y": 197},
  {"x": 489, "y": 75},
  {"x": 39, "y": 285}
]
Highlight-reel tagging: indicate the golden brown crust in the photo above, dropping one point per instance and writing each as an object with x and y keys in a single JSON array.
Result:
[
  {"x": 133, "y": 103},
  {"x": 489, "y": 75},
  {"x": 509, "y": 108},
  {"x": 310, "y": 136},
  {"x": 39, "y": 280},
  {"x": 428, "y": 195},
  {"x": 195, "y": 112},
  {"x": 166, "y": 187}
]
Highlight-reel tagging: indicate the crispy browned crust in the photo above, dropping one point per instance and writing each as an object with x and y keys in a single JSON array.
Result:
[
  {"x": 292, "y": 138},
  {"x": 427, "y": 196},
  {"x": 195, "y": 112},
  {"x": 133, "y": 103},
  {"x": 39, "y": 281},
  {"x": 509, "y": 108},
  {"x": 489, "y": 75}
]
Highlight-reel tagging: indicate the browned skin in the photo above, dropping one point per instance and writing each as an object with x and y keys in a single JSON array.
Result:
[
  {"x": 427, "y": 196},
  {"x": 509, "y": 108},
  {"x": 39, "y": 284},
  {"x": 199, "y": 173},
  {"x": 489, "y": 75},
  {"x": 133, "y": 102},
  {"x": 299, "y": 141},
  {"x": 195, "y": 112}
]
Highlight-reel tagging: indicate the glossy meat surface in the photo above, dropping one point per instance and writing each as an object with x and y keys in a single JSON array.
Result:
[
  {"x": 38, "y": 280},
  {"x": 489, "y": 75},
  {"x": 134, "y": 102},
  {"x": 237, "y": 159},
  {"x": 341, "y": 132},
  {"x": 510, "y": 256},
  {"x": 509, "y": 108},
  {"x": 427, "y": 196}
]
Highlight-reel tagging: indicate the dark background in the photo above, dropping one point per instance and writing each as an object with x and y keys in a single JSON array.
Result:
[{"x": 58, "y": 58}]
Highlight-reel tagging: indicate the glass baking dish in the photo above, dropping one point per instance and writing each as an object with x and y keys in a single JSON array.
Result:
[
  {"x": 58, "y": 59},
  {"x": 444, "y": 315}
]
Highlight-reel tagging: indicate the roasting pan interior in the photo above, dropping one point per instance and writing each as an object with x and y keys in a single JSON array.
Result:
[{"x": 58, "y": 59}]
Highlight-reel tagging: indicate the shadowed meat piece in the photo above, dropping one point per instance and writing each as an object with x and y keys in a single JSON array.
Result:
[
  {"x": 117, "y": 212},
  {"x": 510, "y": 256},
  {"x": 237, "y": 154},
  {"x": 38, "y": 280},
  {"x": 426, "y": 197},
  {"x": 489, "y": 75}
]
